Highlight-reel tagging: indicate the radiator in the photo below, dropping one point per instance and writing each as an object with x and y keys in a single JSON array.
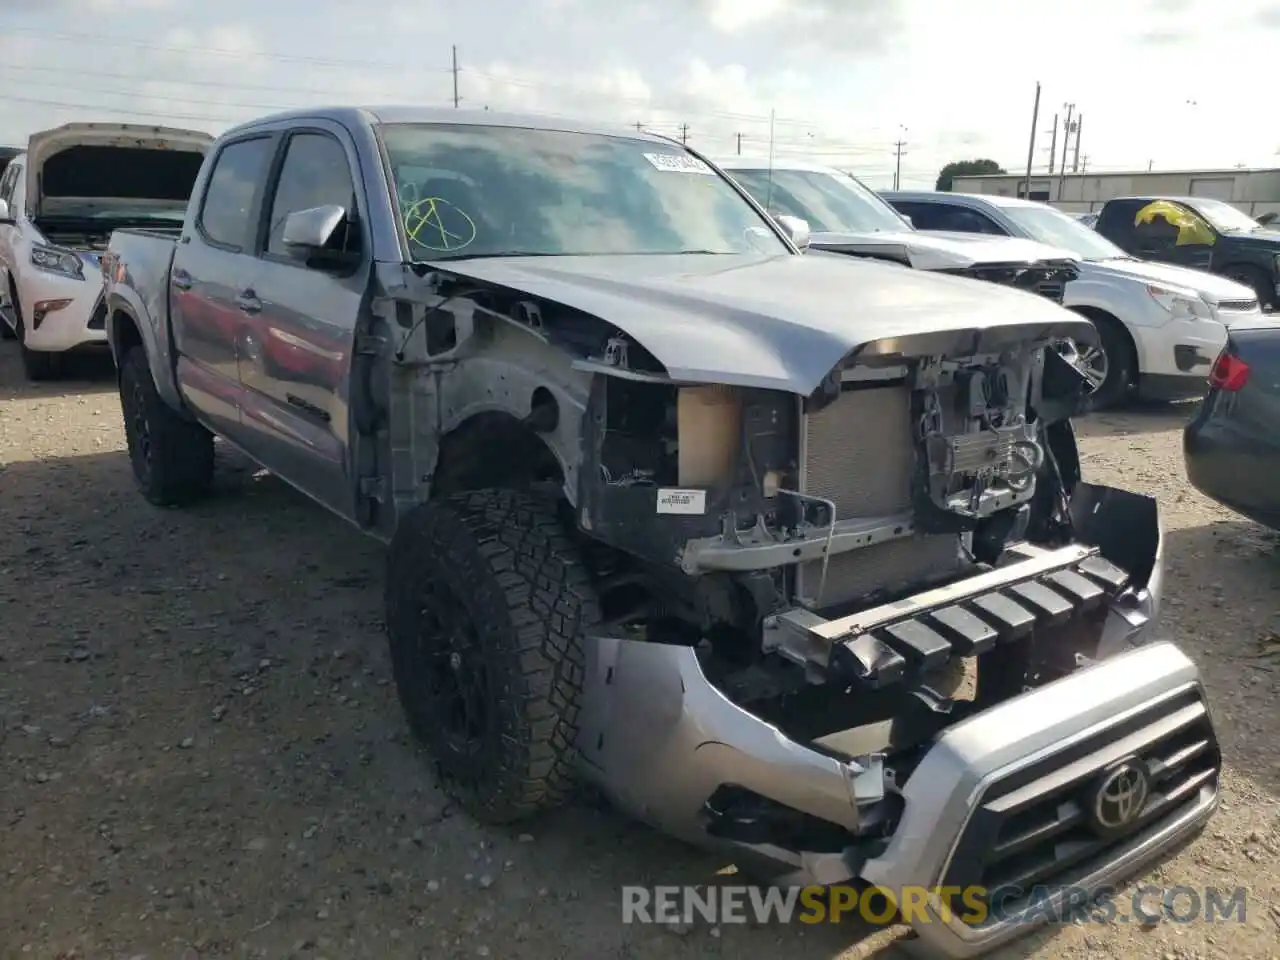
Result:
[{"x": 858, "y": 452}]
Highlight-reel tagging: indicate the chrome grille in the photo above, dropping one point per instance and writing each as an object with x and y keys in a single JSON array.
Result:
[
  {"x": 1033, "y": 827},
  {"x": 1237, "y": 306},
  {"x": 859, "y": 453},
  {"x": 1055, "y": 290}
]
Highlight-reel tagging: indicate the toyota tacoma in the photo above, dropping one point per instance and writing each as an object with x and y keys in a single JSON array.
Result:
[{"x": 790, "y": 555}]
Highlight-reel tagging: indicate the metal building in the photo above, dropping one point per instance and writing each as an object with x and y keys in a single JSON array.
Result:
[{"x": 1253, "y": 191}]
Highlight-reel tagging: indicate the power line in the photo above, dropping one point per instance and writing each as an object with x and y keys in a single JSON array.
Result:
[
  {"x": 516, "y": 81},
  {"x": 177, "y": 81},
  {"x": 801, "y": 147},
  {"x": 148, "y": 114},
  {"x": 114, "y": 41}
]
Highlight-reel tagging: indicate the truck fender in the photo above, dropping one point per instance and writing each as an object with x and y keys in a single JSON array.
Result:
[{"x": 125, "y": 330}]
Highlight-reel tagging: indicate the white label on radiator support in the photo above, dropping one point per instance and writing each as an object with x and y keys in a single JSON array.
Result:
[{"x": 690, "y": 503}]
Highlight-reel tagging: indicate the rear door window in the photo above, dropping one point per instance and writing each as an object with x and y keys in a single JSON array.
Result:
[
  {"x": 228, "y": 213},
  {"x": 1116, "y": 221}
]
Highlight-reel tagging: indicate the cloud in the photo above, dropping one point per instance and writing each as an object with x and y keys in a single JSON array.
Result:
[{"x": 847, "y": 25}]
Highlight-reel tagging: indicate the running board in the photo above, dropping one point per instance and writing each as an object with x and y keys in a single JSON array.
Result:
[{"x": 903, "y": 640}]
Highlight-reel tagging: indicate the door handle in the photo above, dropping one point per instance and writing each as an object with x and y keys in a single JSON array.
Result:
[
  {"x": 248, "y": 302},
  {"x": 181, "y": 280}
]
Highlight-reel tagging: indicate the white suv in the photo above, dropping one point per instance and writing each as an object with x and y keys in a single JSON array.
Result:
[{"x": 59, "y": 202}]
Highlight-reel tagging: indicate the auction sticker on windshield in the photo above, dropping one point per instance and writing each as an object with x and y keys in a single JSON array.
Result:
[{"x": 678, "y": 163}]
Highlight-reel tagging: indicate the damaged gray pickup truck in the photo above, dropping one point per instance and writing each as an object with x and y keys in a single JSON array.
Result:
[{"x": 790, "y": 555}]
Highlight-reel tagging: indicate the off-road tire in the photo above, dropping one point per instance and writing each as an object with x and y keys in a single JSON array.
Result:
[
  {"x": 503, "y": 565},
  {"x": 1122, "y": 366},
  {"x": 172, "y": 457}
]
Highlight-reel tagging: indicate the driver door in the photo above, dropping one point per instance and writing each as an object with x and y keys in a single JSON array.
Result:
[
  {"x": 1188, "y": 243},
  {"x": 295, "y": 354}
]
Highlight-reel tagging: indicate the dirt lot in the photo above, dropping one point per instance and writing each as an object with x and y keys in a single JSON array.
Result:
[{"x": 202, "y": 755}]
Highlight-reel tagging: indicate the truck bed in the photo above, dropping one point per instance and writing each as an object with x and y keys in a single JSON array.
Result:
[
  {"x": 135, "y": 272},
  {"x": 137, "y": 261}
]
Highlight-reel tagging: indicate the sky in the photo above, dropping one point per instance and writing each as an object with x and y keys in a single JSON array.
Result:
[{"x": 1182, "y": 84}]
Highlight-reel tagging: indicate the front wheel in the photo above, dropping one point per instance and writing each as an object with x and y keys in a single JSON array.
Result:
[
  {"x": 1111, "y": 366},
  {"x": 487, "y": 603}
]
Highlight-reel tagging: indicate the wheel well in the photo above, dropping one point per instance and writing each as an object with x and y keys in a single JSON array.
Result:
[
  {"x": 1100, "y": 317},
  {"x": 494, "y": 449},
  {"x": 124, "y": 335}
]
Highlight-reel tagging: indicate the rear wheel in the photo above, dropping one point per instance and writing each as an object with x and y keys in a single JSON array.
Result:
[
  {"x": 172, "y": 457},
  {"x": 487, "y": 603}
]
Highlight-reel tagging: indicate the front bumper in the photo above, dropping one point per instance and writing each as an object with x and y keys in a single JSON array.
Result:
[
  {"x": 80, "y": 322},
  {"x": 1022, "y": 777},
  {"x": 1183, "y": 349},
  {"x": 659, "y": 736}
]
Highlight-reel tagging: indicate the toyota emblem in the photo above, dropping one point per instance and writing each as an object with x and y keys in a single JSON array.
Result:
[{"x": 1120, "y": 797}]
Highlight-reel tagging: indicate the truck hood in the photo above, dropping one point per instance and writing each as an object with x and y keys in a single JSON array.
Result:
[
  {"x": 41, "y": 146},
  {"x": 1262, "y": 237},
  {"x": 780, "y": 322},
  {"x": 1210, "y": 286},
  {"x": 941, "y": 251}
]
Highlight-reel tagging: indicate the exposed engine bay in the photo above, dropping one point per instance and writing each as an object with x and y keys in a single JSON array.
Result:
[
  {"x": 841, "y": 575},
  {"x": 810, "y": 530}
]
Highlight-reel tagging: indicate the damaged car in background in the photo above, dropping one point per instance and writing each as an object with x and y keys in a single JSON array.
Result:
[{"x": 791, "y": 555}]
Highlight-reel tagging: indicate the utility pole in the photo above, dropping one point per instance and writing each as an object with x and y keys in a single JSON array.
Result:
[
  {"x": 739, "y": 144},
  {"x": 1066, "y": 146},
  {"x": 1053, "y": 145},
  {"x": 1084, "y": 164},
  {"x": 1150, "y": 164},
  {"x": 456, "y": 98},
  {"x": 639, "y": 127},
  {"x": 1031, "y": 147},
  {"x": 1075, "y": 162},
  {"x": 898, "y": 153},
  {"x": 684, "y": 133}
]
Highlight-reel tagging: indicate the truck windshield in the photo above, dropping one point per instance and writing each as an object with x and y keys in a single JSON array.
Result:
[
  {"x": 1225, "y": 217},
  {"x": 469, "y": 190},
  {"x": 1059, "y": 230},
  {"x": 828, "y": 202}
]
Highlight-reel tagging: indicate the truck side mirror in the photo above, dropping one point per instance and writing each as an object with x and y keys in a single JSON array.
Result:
[
  {"x": 308, "y": 232},
  {"x": 6, "y": 216},
  {"x": 797, "y": 230}
]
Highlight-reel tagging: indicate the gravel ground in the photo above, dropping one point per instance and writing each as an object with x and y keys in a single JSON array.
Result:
[{"x": 202, "y": 755}]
